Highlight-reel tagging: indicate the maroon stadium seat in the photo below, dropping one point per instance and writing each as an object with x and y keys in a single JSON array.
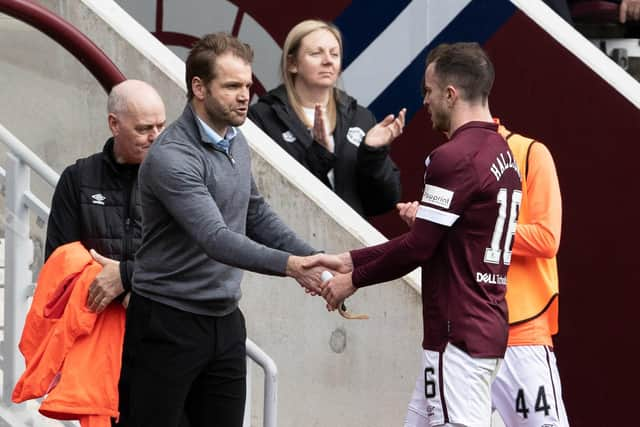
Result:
[
  {"x": 594, "y": 11},
  {"x": 599, "y": 20}
]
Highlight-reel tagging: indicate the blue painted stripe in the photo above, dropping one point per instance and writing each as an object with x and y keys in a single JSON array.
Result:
[
  {"x": 477, "y": 22},
  {"x": 364, "y": 20}
]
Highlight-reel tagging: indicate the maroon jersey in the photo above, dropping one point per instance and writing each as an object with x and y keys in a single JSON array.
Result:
[{"x": 462, "y": 239}]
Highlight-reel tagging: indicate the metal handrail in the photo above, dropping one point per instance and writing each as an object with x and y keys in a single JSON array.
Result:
[
  {"x": 270, "y": 418},
  {"x": 29, "y": 157}
]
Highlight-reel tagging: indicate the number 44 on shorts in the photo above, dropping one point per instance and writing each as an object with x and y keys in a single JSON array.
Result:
[{"x": 541, "y": 403}]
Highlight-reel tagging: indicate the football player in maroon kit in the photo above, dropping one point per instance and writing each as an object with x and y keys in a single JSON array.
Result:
[{"x": 462, "y": 239}]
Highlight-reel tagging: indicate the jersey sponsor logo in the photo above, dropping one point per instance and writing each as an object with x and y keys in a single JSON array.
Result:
[
  {"x": 355, "y": 135},
  {"x": 98, "y": 199},
  {"x": 491, "y": 278},
  {"x": 288, "y": 136},
  {"x": 503, "y": 162},
  {"x": 437, "y": 196}
]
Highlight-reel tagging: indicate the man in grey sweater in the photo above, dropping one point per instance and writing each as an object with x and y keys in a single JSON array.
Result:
[{"x": 203, "y": 223}]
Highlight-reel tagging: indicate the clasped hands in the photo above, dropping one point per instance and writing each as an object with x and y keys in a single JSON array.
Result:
[
  {"x": 308, "y": 270},
  {"x": 380, "y": 135}
]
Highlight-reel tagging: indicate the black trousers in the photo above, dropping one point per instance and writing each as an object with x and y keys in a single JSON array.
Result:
[{"x": 180, "y": 368}]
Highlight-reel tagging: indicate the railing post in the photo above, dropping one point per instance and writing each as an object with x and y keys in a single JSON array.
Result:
[
  {"x": 18, "y": 279},
  {"x": 247, "y": 404},
  {"x": 270, "y": 417},
  {"x": 270, "y": 395}
]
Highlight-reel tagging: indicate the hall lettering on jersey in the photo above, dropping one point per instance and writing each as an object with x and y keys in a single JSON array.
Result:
[
  {"x": 503, "y": 162},
  {"x": 492, "y": 279}
]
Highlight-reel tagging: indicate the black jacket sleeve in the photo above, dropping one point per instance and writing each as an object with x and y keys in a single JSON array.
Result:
[
  {"x": 64, "y": 219},
  {"x": 378, "y": 178},
  {"x": 319, "y": 161}
]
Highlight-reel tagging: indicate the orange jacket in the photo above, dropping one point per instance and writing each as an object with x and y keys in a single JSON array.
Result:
[
  {"x": 532, "y": 280},
  {"x": 71, "y": 354}
]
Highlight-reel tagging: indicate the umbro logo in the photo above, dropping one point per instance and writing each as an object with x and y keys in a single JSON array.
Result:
[{"x": 98, "y": 199}]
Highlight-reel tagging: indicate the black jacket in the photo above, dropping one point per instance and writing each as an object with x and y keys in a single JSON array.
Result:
[
  {"x": 562, "y": 8},
  {"x": 96, "y": 202},
  {"x": 365, "y": 177}
]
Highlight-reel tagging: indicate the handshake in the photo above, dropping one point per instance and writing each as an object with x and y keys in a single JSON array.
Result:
[
  {"x": 308, "y": 273},
  {"x": 335, "y": 289}
]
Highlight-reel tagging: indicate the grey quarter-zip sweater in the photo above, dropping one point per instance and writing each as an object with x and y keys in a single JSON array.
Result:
[{"x": 203, "y": 222}]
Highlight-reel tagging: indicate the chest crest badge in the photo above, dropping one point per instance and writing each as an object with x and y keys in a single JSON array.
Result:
[
  {"x": 288, "y": 136},
  {"x": 355, "y": 135}
]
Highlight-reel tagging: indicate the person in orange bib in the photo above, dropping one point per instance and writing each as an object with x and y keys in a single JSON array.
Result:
[{"x": 527, "y": 390}]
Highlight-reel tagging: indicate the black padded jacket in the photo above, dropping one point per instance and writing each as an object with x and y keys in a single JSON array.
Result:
[{"x": 96, "y": 201}]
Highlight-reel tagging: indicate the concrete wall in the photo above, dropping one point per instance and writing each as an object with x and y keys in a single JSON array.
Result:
[{"x": 332, "y": 371}]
